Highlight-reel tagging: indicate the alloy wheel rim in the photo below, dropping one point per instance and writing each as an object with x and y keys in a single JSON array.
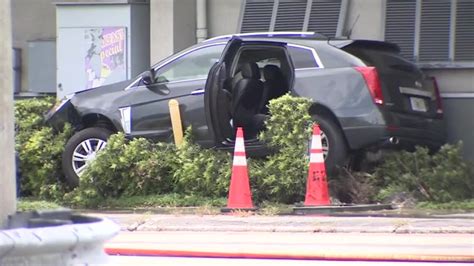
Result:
[
  {"x": 325, "y": 144},
  {"x": 85, "y": 152}
]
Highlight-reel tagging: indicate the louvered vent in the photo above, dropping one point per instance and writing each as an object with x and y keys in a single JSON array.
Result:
[
  {"x": 257, "y": 16},
  {"x": 290, "y": 16},
  {"x": 400, "y": 25},
  {"x": 434, "y": 31},
  {"x": 324, "y": 17},
  {"x": 464, "y": 49}
]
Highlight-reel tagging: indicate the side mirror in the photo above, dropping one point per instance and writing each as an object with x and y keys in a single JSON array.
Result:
[{"x": 148, "y": 77}]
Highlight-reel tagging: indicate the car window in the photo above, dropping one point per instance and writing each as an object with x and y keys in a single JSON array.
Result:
[
  {"x": 193, "y": 65},
  {"x": 302, "y": 57}
]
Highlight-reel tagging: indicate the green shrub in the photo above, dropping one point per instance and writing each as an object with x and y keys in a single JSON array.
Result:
[
  {"x": 441, "y": 177},
  {"x": 39, "y": 148},
  {"x": 128, "y": 168},
  {"x": 282, "y": 176},
  {"x": 139, "y": 167},
  {"x": 202, "y": 172}
]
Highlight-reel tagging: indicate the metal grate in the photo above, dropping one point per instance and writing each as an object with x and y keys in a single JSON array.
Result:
[
  {"x": 290, "y": 16},
  {"x": 464, "y": 48},
  {"x": 257, "y": 16},
  {"x": 324, "y": 16},
  {"x": 434, "y": 30},
  {"x": 400, "y": 25}
]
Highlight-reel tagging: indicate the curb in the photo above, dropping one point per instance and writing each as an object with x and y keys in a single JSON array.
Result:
[
  {"x": 317, "y": 255},
  {"x": 340, "y": 208}
]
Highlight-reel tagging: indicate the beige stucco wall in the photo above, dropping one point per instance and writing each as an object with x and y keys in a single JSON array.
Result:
[
  {"x": 173, "y": 23},
  {"x": 31, "y": 20},
  {"x": 223, "y": 16},
  {"x": 172, "y": 27},
  {"x": 366, "y": 18},
  {"x": 453, "y": 80}
]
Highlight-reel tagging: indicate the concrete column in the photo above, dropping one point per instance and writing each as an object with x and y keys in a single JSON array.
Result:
[
  {"x": 366, "y": 18},
  {"x": 7, "y": 137},
  {"x": 223, "y": 16},
  {"x": 172, "y": 27},
  {"x": 201, "y": 20}
]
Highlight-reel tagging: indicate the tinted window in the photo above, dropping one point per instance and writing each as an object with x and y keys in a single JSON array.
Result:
[
  {"x": 302, "y": 57},
  {"x": 194, "y": 65}
]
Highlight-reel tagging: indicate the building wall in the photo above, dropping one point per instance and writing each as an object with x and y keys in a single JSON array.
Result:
[
  {"x": 31, "y": 20},
  {"x": 173, "y": 27},
  {"x": 223, "y": 16},
  {"x": 173, "y": 23},
  {"x": 365, "y": 20},
  {"x": 140, "y": 27},
  {"x": 457, "y": 87}
]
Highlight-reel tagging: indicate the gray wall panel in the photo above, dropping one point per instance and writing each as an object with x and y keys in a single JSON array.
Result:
[
  {"x": 42, "y": 66},
  {"x": 458, "y": 113}
]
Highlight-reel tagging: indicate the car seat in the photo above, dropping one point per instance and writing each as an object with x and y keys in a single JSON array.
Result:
[
  {"x": 275, "y": 86},
  {"x": 246, "y": 97}
]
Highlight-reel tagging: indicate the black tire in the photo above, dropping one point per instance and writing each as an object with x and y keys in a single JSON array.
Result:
[
  {"x": 93, "y": 135},
  {"x": 337, "y": 148}
]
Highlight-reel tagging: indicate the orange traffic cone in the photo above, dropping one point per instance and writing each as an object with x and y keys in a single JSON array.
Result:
[
  {"x": 317, "y": 185},
  {"x": 240, "y": 197}
]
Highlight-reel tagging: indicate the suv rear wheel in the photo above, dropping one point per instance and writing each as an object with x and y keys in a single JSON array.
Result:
[
  {"x": 80, "y": 150},
  {"x": 333, "y": 142}
]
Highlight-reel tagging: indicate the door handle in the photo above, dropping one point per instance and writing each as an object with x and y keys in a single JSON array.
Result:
[{"x": 197, "y": 91}]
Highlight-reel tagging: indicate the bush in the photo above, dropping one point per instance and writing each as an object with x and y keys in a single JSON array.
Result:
[
  {"x": 39, "y": 148},
  {"x": 282, "y": 176},
  {"x": 441, "y": 177},
  {"x": 139, "y": 167},
  {"x": 127, "y": 168},
  {"x": 202, "y": 172}
]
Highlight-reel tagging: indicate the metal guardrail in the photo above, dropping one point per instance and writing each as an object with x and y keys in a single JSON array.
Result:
[{"x": 54, "y": 240}]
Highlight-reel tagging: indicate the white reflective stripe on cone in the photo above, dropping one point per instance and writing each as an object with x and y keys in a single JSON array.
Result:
[
  {"x": 316, "y": 158},
  {"x": 239, "y": 145},
  {"x": 240, "y": 161},
  {"x": 316, "y": 142}
]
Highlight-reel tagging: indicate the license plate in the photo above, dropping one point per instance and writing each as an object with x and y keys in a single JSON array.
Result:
[{"x": 418, "y": 104}]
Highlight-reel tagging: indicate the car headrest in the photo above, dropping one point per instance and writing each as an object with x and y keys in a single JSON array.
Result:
[
  {"x": 250, "y": 71},
  {"x": 272, "y": 72}
]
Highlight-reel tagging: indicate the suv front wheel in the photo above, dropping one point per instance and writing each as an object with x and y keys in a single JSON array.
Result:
[{"x": 80, "y": 150}]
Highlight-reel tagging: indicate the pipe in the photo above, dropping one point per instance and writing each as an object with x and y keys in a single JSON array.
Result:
[{"x": 201, "y": 20}]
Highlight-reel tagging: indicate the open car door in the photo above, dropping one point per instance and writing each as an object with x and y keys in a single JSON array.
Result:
[{"x": 216, "y": 98}]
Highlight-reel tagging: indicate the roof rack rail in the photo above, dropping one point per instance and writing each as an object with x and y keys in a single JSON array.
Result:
[{"x": 269, "y": 34}]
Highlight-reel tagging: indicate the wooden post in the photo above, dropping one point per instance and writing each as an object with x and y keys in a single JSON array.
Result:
[
  {"x": 7, "y": 134},
  {"x": 176, "y": 122}
]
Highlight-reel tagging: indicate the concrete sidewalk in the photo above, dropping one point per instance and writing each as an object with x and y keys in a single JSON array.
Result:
[{"x": 459, "y": 224}]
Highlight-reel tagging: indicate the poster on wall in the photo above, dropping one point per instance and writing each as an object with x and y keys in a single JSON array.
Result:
[{"x": 105, "y": 56}]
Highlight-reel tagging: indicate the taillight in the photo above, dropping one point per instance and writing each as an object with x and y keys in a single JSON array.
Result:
[
  {"x": 439, "y": 103},
  {"x": 372, "y": 80}
]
